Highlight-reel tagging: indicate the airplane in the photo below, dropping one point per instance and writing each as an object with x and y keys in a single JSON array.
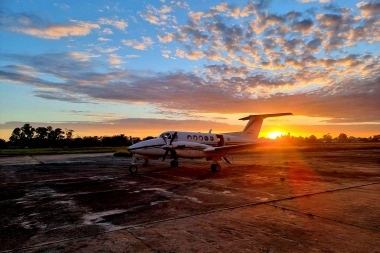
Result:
[{"x": 196, "y": 145}]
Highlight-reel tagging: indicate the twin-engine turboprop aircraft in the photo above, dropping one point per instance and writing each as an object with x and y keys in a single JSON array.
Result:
[{"x": 193, "y": 145}]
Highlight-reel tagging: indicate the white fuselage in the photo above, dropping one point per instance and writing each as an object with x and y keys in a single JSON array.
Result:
[{"x": 188, "y": 144}]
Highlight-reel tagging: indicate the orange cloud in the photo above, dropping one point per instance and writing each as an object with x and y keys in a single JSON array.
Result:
[{"x": 58, "y": 31}]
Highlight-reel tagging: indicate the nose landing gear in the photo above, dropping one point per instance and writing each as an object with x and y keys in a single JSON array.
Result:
[{"x": 133, "y": 167}]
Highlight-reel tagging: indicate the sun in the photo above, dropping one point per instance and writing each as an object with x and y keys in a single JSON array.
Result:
[{"x": 274, "y": 135}]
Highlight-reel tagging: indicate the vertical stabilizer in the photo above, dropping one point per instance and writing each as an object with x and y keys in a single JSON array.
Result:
[{"x": 253, "y": 127}]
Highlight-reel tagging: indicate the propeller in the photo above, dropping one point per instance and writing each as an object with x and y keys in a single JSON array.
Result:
[{"x": 167, "y": 148}]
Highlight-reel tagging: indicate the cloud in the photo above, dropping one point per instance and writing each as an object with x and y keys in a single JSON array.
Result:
[
  {"x": 241, "y": 92},
  {"x": 167, "y": 38},
  {"x": 82, "y": 56},
  {"x": 309, "y": 63},
  {"x": 369, "y": 9},
  {"x": 146, "y": 42},
  {"x": 35, "y": 26},
  {"x": 62, "y": 6},
  {"x": 158, "y": 16},
  {"x": 106, "y": 50},
  {"x": 120, "y": 24},
  {"x": 57, "y": 31},
  {"x": 103, "y": 39},
  {"x": 166, "y": 53},
  {"x": 89, "y": 114},
  {"x": 114, "y": 59},
  {"x": 129, "y": 56},
  {"x": 305, "y": 26},
  {"x": 107, "y": 31}
]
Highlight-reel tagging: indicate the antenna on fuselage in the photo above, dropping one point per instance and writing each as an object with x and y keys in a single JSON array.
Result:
[
  {"x": 210, "y": 131},
  {"x": 131, "y": 139}
]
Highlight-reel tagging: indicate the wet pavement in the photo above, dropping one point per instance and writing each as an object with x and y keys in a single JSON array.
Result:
[{"x": 275, "y": 202}]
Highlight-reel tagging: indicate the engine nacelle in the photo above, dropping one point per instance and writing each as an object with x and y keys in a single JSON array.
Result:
[
  {"x": 186, "y": 145},
  {"x": 190, "y": 153},
  {"x": 187, "y": 149}
]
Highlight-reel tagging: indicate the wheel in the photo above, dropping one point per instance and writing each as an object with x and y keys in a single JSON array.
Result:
[
  {"x": 133, "y": 169},
  {"x": 215, "y": 167},
  {"x": 174, "y": 163}
]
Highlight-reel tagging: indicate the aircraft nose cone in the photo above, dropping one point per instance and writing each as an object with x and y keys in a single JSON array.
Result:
[{"x": 130, "y": 148}]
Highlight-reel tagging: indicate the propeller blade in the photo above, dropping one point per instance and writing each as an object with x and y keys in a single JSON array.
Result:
[
  {"x": 168, "y": 149},
  {"x": 173, "y": 137}
]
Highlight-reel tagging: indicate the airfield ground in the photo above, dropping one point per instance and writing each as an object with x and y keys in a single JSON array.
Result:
[{"x": 267, "y": 202}]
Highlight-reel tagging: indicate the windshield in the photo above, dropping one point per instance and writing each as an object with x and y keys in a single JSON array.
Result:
[{"x": 167, "y": 135}]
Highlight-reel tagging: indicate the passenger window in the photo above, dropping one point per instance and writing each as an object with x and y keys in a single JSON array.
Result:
[
  {"x": 206, "y": 138},
  {"x": 211, "y": 138},
  {"x": 189, "y": 137},
  {"x": 195, "y": 137},
  {"x": 228, "y": 139},
  {"x": 200, "y": 138}
]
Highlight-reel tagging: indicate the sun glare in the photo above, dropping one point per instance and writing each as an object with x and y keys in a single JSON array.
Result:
[{"x": 274, "y": 135}]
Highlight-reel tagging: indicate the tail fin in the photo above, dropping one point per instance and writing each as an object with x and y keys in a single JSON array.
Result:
[{"x": 252, "y": 129}]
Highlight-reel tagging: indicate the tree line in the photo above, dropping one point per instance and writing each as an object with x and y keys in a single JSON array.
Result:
[
  {"x": 44, "y": 137},
  {"x": 326, "y": 138}
]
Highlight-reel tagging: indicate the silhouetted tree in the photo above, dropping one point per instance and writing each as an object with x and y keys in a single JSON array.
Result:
[
  {"x": 3, "y": 144},
  {"x": 91, "y": 141},
  {"x": 342, "y": 137},
  {"x": 17, "y": 136},
  {"x": 69, "y": 134},
  {"x": 56, "y": 134},
  {"x": 313, "y": 138},
  {"x": 28, "y": 131},
  {"x": 327, "y": 137},
  {"x": 42, "y": 133},
  {"x": 116, "y": 140}
]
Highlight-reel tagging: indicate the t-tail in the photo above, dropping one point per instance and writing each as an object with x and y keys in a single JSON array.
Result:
[{"x": 253, "y": 127}]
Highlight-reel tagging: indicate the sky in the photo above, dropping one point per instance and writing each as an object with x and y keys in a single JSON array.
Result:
[{"x": 143, "y": 67}]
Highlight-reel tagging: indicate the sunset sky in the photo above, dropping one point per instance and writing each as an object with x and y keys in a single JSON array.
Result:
[{"x": 142, "y": 67}]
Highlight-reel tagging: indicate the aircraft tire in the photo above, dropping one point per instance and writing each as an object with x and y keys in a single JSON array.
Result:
[
  {"x": 215, "y": 167},
  {"x": 133, "y": 169},
  {"x": 174, "y": 163}
]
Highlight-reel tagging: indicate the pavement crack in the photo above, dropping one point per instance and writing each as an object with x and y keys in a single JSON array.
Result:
[
  {"x": 325, "y": 218},
  {"x": 141, "y": 240},
  {"x": 41, "y": 162}
]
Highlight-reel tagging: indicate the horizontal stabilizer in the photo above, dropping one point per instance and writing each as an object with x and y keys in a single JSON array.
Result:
[{"x": 263, "y": 116}]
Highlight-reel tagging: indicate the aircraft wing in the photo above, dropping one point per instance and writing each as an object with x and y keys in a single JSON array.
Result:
[{"x": 224, "y": 150}]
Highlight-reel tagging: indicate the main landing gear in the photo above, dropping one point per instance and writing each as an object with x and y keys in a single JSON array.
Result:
[
  {"x": 215, "y": 167},
  {"x": 174, "y": 163},
  {"x": 133, "y": 167}
]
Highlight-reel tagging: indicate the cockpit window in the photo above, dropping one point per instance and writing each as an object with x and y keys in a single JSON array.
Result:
[{"x": 167, "y": 136}]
